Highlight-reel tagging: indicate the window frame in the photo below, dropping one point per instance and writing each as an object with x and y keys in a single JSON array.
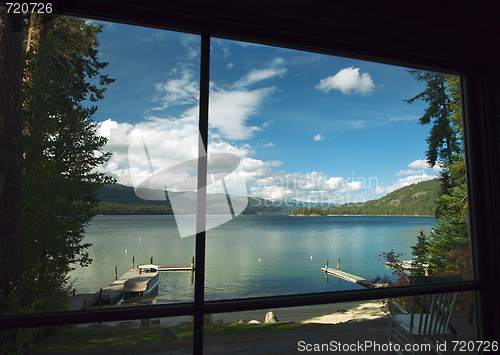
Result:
[{"x": 479, "y": 101}]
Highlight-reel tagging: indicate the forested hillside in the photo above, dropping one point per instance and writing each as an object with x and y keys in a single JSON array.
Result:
[
  {"x": 122, "y": 200},
  {"x": 414, "y": 200}
]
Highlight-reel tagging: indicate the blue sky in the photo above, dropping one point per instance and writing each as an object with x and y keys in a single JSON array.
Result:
[{"x": 305, "y": 126}]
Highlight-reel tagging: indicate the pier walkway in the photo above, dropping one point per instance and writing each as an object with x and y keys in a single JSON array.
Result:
[
  {"x": 348, "y": 277},
  {"x": 113, "y": 293}
]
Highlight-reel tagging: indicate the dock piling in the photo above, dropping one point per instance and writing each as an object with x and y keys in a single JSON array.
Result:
[
  {"x": 151, "y": 261},
  {"x": 338, "y": 264},
  {"x": 192, "y": 270},
  {"x": 326, "y": 266},
  {"x": 133, "y": 261},
  {"x": 116, "y": 273}
]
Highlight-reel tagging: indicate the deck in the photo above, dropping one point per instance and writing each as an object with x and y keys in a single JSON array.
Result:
[
  {"x": 110, "y": 294},
  {"x": 348, "y": 277}
]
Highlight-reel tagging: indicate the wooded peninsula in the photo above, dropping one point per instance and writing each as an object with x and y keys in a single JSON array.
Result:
[{"x": 413, "y": 200}]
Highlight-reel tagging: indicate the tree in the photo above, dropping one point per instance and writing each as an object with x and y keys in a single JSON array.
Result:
[
  {"x": 449, "y": 239},
  {"x": 10, "y": 163},
  {"x": 49, "y": 150},
  {"x": 61, "y": 152},
  {"x": 442, "y": 137},
  {"x": 420, "y": 252}
]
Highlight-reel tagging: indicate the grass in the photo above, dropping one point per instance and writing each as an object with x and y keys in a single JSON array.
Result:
[
  {"x": 73, "y": 339},
  {"x": 213, "y": 330}
]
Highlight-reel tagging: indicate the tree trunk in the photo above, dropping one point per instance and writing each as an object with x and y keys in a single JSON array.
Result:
[
  {"x": 11, "y": 79},
  {"x": 11, "y": 74}
]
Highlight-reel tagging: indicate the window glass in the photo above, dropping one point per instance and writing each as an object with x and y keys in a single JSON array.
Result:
[
  {"x": 148, "y": 216},
  {"x": 313, "y": 161},
  {"x": 117, "y": 106},
  {"x": 138, "y": 335},
  {"x": 362, "y": 326},
  {"x": 336, "y": 169}
]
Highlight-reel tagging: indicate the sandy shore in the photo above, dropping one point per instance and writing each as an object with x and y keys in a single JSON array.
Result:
[
  {"x": 331, "y": 313},
  {"x": 326, "y": 314}
]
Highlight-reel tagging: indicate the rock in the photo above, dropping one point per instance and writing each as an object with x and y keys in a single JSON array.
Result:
[
  {"x": 242, "y": 321},
  {"x": 271, "y": 318},
  {"x": 254, "y": 322},
  {"x": 168, "y": 335},
  {"x": 145, "y": 322},
  {"x": 218, "y": 321}
]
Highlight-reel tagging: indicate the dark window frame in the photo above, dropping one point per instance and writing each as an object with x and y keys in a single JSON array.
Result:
[{"x": 480, "y": 100}]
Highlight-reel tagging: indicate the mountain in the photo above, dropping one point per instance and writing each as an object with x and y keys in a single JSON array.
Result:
[
  {"x": 120, "y": 199},
  {"x": 413, "y": 200}
]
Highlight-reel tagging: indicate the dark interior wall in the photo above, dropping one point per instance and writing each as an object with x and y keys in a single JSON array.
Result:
[{"x": 458, "y": 36}]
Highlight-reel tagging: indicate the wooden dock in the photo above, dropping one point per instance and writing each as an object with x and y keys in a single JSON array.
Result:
[
  {"x": 113, "y": 293},
  {"x": 176, "y": 268},
  {"x": 348, "y": 277}
]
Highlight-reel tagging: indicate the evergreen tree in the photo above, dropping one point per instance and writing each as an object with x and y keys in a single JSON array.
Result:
[
  {"x": 450, "y": 237},
  {"x": 442, "y": 137},
  {"x": 420, "y": 252},
  {"x": 61, "y": 152}
]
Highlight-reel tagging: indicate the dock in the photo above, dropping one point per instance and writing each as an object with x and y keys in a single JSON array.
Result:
[
  {"x": 346, "y": 276},
  {"x": 176, "y": 268},
  {"x": 138, "y": 280}
]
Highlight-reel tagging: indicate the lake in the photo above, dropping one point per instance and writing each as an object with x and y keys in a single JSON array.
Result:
[{"x": 251, "y": 255}]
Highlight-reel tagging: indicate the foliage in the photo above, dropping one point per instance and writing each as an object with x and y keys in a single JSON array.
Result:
[
  {"x": 108, "y": 208},
  {"x": 61, "y": 152},
  {"x": 420, "y": 252},
  {"x": 451, "y": 231},
  {"x": 447, "y": 250},
  {"x": 120, "y": 199},
  {"x": 400, "y": 278},
  {"x": 414, "y": 200},
  {"x": 442, "y": 138}
]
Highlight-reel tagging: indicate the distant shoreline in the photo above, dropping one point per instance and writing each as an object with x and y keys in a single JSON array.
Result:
[{"x": 358, "y": 215}]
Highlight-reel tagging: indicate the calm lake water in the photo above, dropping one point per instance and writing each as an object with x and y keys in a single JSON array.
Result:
[{"x": 249, "y": 256}]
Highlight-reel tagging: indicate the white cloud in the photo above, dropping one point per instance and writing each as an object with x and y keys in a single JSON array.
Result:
[
  {"x": 318, "y": 138},
  {"x": 403, "y": 118},
  {"x": 347, "y": 80},
  {"x": 274, "y": 69},
  {"x": 357, "y": 124},
  {"x": 419, "y": 164},
  {"x": 413, "y": 179},
  {"x": 437, "y": 167},
  {"x": 170, "y": 142},
  {"x": 192, "y": 45},
  {"x": 268, "y": 123},
  {"x": 229, "y": 65},
  {"x": 178, "y": 91},
  {"x": 409, "y": 172},
  {"x": 311, "y": 187},
  {"x": 229, "y": 111}
]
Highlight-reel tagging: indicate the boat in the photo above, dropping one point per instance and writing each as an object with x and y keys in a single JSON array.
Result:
[
  {"x": 406, "y": 265},
  {"x": 145, "y": 285}
]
